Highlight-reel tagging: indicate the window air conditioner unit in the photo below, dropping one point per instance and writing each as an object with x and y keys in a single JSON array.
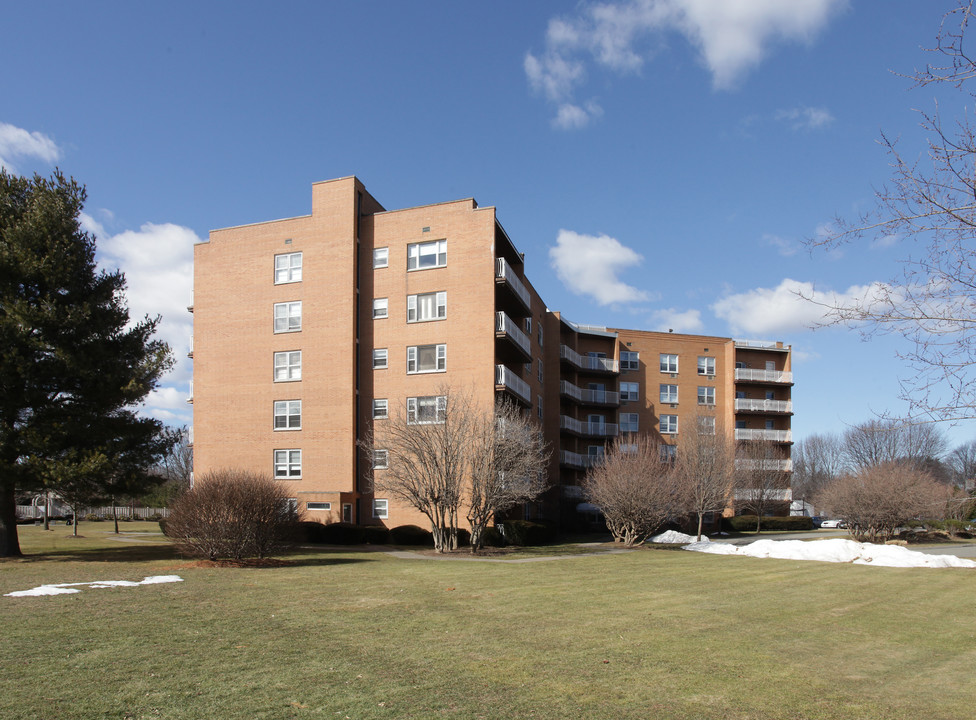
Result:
[
  {"x": 709, "y": 377},
  {"x": 674, "y": 405},
  {"x": 674, "y": 375}
]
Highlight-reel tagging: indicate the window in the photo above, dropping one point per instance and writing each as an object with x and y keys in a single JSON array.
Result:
[
  {"x": 630, "y": 360},
  {"x": 669, "y": 424},
  {"x": 628, "y": 422},
  {"x": 740, "y": 394},
  {"x": 381, "y": 509},
  {"x": 381, "y": 308},
  {"x": 288, "y": 415},
  {"x": 421, "y": 256},
  {"x": 288, "y": 366},
  {"x": 706, "y": 365},
  {"x": 669, "y": 363},
  {"x": 631, "y": 390},
  {"x": 381, "y": 459},
  {"x": 770, "y": 395},
  {"x": 426, "y": 410},
  {"x": 287, "y": 464},
  {"x": 706, "y": 425},
  {"x": 540, "y": 334},
  {"x": 381, "y": 408},
  {"x": 288, "y": 268},
  {"x": 538, "y": 405},
  {"x": 740, "y": 424},
  {"x": 426, "y": 359},
  {"x": 426, "y": 307},
  {"x": 667, "y": 453},
  {"x": 539, "y": 366},
  {"x": 706, "y": 395},
  {"x": 288, "y": 317},
  {"x": 669, "y": 394},
  {"x": 528, "y": 326},
  {"x": 770, "y": 424},
  {"x": 381, "y": 257},
  {"x": 380, "y": 358},
  {"x": 318, "y": 506},
  {"x": 596, "y": 451}
]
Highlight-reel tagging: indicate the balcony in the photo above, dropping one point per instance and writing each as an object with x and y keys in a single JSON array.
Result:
[
  {"x": 780, "y": 465},
  {"x": 763, "y": 406},
  {"x": 506, "y": 379},
  {"x": 781, "y": 436},
  {"x": 506, "y": 276},
  {"x": 189, "y": 353},
  {"x": 507, "y": 328},
  {"x": 189, "y": 398},
  {"x": 586, "y": 362},
  {"x": 589, "y": 396},
  {"x": 576, "y": 460},
  {"x": 586, "y": 428},
  {"x": 747, "y": 494},
  {"x": 189, "y": 308},
  {"x": 763, "y": 376}
]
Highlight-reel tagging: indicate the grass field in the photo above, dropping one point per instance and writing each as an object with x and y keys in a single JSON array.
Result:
[{"x": 361, "y": 634}]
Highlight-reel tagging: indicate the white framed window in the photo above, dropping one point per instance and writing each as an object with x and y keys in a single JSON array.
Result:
[
  {"x": 629, "y": 360},
  {"x": 381, "y": 508},
  {"x": 381, "y": 459},
  {"x": 595, "y": 451},
  {"x": 426, "y": 359},
  {"x": 528, "y": 326},
  {"x": 538, "y": 404},
  {"x": 706, "y": 425},
  {"x": 628, "y": 422},
  {"x": 538, "y": 362},
  {"x": 667, "y": 452},
  {"x": 288, "y": 268},
  {"x": 381, "y": 257},
  {"x": 631, "y": 391},
  {"x": 425, "y": 255},
  {"x": 540, "y": 334},
  {"x": 288, "y": 366},
  {"x": 426, "y": 307},
  {"x": 381, "y": 308},
  {"x": 669, "y": 363},
  {"x": 428, "y": 410},
  {"x": 287, "y": 464},
  {"x": 770, "y": 395},
  {"x": 381, "y": 408},
  {"x": 706, "y": 365},
  {"x": 288, "y": 317},
  {"x": 669, "y": 394},
  {"x": 669, "y": 424},
  {"x": 706, "y": 395},
  {"x": 288, "y": 415},
  {"x": 380, "y": 358},
  {"x": 318, "y": 506}
]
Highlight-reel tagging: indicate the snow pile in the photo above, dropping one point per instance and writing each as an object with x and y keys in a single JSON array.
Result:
[
  {"x": 672, "y": 537},
  {"x": 67, "y": 588},
  {"x": 836, "y": 550}
]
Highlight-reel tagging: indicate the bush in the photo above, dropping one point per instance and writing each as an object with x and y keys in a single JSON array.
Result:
[
  {"x": 231, "y": 514},
  {"x": 411, "y": 535},
  {"x": 162, "y": 526},
  {"x": 376, "y": 535},
  {"x": 92, "y": 517},
  {"x": 746, "y": 523},
  {"x": 493, "y": 538},
  {"x": 523, "y": 532},
  {"x": 341, "y": 533}
]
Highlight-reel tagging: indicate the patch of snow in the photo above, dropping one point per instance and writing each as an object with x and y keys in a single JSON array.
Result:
[
  {"x": 66, "y": 588},
  {"x": 673, "y": 537},
  {"x": 837, "y": 550}
]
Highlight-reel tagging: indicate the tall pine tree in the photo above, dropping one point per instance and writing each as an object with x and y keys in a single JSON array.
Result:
[{"x": 72, "y": 368}]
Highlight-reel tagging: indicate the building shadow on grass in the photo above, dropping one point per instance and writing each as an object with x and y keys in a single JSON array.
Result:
[{"x": 164, "y": 552}]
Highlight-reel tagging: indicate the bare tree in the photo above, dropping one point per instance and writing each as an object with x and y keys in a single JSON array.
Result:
[
  {"x": 817, "y": 460},
  {"x": 933, "y": 208},
  {"x": 177, "y": 465},
  {"x": 507, "y": 460},
  {"x": 962, "y": 460},
  {"x": 762, "y": 481},
  {"x": 878, "y": 499},
  {"x": 705, "y": 469},
  {"x": 635, "y": 490},
  {"x": 887, "y": 440}
]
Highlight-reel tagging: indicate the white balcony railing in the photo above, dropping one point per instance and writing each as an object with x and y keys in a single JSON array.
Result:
[
  {"x": 505, "y": 376},
  {"x": 584, "y": 427},
  {"x": 189, "y": 353},
  {"x": 505, "y": 324},
  {"x": 504, "y": 271},
  {"x": 571, "y": 459},
  {"x": 780, "y": 465},
  {"x": 770, "y": 406},
  {"x": 189, "y": 398},
  {"x": 774, "y": 435},
  {"x": 753, "y": 494},
  {"x": 775, "y": 376},
  {"x": 588, "y": 395},
  {"x": 588, "y": 362}
]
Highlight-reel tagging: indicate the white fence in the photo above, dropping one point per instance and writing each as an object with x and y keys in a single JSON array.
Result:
[{"x": 37, "y": 512}]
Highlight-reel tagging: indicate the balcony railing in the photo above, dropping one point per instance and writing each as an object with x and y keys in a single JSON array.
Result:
[
  {"x": 774, "y": 435},
  {"x": 506, "y": 377},
  {"x": 774, "y": 495},
  {"x": 589, "y": 395},
  {"x": 773, "y": 376},
  {"x": 505, "y": 272},
  {"x": 189, "y": 308},
  {"x": 571, "y": 459},
  {"x": 189, "y": 353},
  {"x": 585, "y": 427},
  {"x": 505, "y": 324},
  {"x": 588, "y": 362},
  {"x": 189, "y": 398},
  {"x": 768, "y": 406},
  {"x": 779, "y": 465}
]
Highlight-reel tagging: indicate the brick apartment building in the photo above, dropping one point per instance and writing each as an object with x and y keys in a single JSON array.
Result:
[{"x": 308, "y": 329}]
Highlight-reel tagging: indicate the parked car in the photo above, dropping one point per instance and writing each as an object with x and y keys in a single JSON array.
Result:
[{"x": 832, "y": 523}]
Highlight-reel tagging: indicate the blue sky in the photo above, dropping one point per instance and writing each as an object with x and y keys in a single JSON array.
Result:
[{"x": 678, "y": 150}]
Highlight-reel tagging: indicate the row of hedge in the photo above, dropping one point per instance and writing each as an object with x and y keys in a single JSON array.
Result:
[
  {"x": 745, "y": 523},
  {"x": 519, "y": 532}
]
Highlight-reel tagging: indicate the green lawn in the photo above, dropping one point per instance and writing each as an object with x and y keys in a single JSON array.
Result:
[{"x": 350, "y": 634}]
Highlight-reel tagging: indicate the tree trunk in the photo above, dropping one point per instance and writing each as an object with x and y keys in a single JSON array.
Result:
[
  {"x": 74, "y": 521},
  {"x": 9, "y": 544},
  {"x": 115, "y": 516},
  {"x": 47, "y": 509}
]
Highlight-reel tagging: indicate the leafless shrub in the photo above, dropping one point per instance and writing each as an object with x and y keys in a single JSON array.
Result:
[{"x": 705, "y": 470}]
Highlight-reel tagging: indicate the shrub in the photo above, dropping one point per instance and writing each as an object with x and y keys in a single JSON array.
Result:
[
  {"x": 341, "y": 533},
  {"x": 493, "y": 538},
  {"x": 231, "y": 514},
  {"x": 523, "y": 532},
  {"x": 162, "y": 526},
  {"x": 411, "y": 535},
  {"x": 746, "y": 523},
  {"x": 376, "y": 535},
  {"x": 92, "y": 517}
]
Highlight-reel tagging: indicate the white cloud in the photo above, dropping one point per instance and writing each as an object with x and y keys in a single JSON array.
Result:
[
  {"x": 16, "y": 142},
  {"x": 806, "y": 118},
  {"x": 574, "y": 117},
  {"x": 786, "y": 248},
  {"x": 791, "y": 306},
  {"x": 681, "y": 321},
  {"x": 732, "y": 37},
  {"x": 588, "y": 265}
]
